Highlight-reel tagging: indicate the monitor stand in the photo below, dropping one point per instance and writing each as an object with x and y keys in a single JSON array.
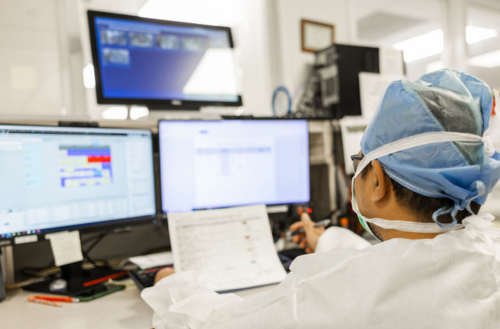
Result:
[
  {"x": 202, "y": 113},
  {"x": 156, "y": 114},
  {"x": 78, "y": 281}
]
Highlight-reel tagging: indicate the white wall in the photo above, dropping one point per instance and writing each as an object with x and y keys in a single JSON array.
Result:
[
  {"x": 30, "y": 79},
  {"x": 294, "y": 62},
  {"x": 252, "y": 42}
]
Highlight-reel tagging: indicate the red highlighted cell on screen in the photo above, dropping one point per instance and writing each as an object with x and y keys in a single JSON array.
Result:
[{"x": 91, "y": 159}]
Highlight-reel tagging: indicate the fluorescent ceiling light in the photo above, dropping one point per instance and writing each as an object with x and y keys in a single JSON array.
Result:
[
  {"x": 488, "y": 60},
  {"x": 239, "y": 111},
  {"x": 115, "y": 113},
  {"x": 137, "y": 112},
  {"x": 422, "y": 46},
  {"x": 475, "y": 34},
  {"x": 88, "y": 76},
  {"x": 432, "y": 43}
]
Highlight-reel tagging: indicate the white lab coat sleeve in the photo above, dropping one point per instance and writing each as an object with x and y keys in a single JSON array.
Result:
[
  {"x": 183, "y": 301},
  {"x": 336, "y": 238}
]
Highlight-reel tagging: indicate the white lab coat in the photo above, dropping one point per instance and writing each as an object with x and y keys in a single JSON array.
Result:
[{"x": 451, "y": 281}]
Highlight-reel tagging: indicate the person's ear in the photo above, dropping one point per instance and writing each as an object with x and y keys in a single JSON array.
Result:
[{"x": 380, "y": 181}]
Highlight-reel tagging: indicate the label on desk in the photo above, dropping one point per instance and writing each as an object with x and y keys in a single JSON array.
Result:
[{"x": 66, "y": 247}]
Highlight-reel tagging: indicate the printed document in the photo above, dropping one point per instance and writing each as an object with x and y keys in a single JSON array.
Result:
[{"x": 233, "y": 246}]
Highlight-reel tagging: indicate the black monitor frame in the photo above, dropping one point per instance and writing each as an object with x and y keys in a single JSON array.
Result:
[
  {"x": 152, "y": 104},
  {"x": 162, "y": 212},
  {"x": 92, "y": 227}
]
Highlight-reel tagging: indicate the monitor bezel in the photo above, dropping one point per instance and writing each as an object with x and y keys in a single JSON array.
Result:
[
  {"x": 93, "y": 227},
  {"x": 161, "y": 211},
  {"x": 154, "y": 104}
]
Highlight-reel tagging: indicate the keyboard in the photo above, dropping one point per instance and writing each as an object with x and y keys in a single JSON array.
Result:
[{"x": 145, "y": 278}]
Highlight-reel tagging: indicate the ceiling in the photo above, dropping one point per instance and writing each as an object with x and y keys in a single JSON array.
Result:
[
  {"x": 383, "y": 23},
  {"x": 386, "y": 22}
]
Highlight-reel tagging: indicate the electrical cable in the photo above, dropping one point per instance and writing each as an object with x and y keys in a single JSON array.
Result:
[
  {"x": 100, "y": 236},
  {"x": 298, "y": 92},
  {"x": 276, "y": 91},
  {"x": 93, "y": 237},
  {"x": 89, "y": 249}
]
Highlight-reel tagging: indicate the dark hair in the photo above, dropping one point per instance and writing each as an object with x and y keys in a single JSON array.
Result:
[{"x": 422, "y": 207}]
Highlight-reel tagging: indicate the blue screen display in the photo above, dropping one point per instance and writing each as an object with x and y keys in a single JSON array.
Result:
[{"x": 140, "y": 60}]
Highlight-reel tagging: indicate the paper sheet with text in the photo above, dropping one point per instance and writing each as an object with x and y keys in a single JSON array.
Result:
[
  {"x": 233, "y": 246},
  {"x": 66, "y": 247},
  {"x": 153, "y": 260}
]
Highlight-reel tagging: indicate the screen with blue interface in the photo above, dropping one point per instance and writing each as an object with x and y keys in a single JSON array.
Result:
[
  {"x": 54, "y": 177},
  {"x": 212, "y": 164},
  {"x": 142, "y": 60}
]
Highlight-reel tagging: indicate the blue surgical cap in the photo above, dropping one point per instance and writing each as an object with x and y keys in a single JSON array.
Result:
[{"x": 441, "y": 101}]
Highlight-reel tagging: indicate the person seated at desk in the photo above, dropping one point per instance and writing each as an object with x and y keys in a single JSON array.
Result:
[{"x": 425, "y": 167}]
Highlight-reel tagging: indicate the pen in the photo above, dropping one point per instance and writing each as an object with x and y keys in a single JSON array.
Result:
[
  {"x": 42, "y": 301},
  {"x": 321, "y": 223},
  {"x": 58, "y": 299}
]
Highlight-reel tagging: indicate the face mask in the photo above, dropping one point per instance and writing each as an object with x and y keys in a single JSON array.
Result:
[{"x": 361, "y": 218}]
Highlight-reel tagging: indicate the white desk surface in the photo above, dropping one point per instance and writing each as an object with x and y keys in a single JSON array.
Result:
[{"x": 123, "y": 309}]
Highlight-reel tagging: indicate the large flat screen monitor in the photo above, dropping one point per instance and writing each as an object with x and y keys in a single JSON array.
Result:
[
  {"x": 214, "y": 164},
  {"x": 55, "y": 178},
  {"x": 162, "y": 64}
]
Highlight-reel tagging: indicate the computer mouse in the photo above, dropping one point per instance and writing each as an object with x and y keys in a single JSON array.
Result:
[{"x": 58, "y": 285}]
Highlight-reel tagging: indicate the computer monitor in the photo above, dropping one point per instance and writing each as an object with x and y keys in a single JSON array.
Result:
[
  {"x": 215, "y": 164},
  {"x": 162, "y": 64},
  {"x": 61, "y": 178}
]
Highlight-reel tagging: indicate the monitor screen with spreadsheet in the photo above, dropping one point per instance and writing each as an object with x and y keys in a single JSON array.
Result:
[
  {"x": 215, "y": 164},
  {"x": 55, "y": 178}
]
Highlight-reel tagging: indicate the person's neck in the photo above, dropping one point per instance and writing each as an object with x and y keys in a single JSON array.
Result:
[
  {"x": 393, "y": 234},
  {"x": 397, "y": 212}
]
